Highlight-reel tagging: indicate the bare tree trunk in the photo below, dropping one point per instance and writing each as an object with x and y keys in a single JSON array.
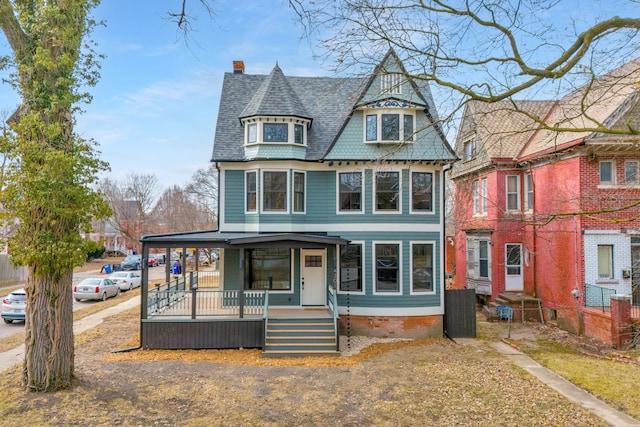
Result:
[{"x": 49, "y": 355}]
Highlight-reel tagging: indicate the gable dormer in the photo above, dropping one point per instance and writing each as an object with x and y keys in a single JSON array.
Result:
[
  {"x": 390, "y": 104},
  {"x": 275, "y": 115}
]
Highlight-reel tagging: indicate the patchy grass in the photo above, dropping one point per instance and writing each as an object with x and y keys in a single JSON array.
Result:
[{"x": 422, "y": 382}]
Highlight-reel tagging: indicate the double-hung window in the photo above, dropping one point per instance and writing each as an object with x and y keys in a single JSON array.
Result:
[
  {"x": 513, "y": 192},
  {"x": 528, "y": 192},
  {"x": 631, "y": 172},
  {"x": 607, "y": 172},
  {"x": 480, "y": 197},
  {"x": 421, "y": 192},
  {"x": 351, "y": 260},
  {"x": 350, "y": 192},
  {"x": 422, "y": 267},
  {"x": 274, "y": 191},
  {"x": 298, "y": 192},
  {"x": 387, "y": 190},
  {"x": 251, "y": 187},
  {"x": 387, "y": 272},
  {"x": 469, "y": 149}
]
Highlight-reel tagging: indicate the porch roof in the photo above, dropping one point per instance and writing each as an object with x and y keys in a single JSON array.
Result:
[{"x": 214, "y": 238}]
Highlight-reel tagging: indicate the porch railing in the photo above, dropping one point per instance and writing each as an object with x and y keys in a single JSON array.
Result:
[
  {"x": 196, "y": 303},
  {"x": 597, "y": 296}
]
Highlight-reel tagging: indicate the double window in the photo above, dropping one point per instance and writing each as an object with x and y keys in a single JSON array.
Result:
[
  {"x": 351, "y": 264},
  {"x": 387, "y": 197},
  {"x": 390, "y": 126}
]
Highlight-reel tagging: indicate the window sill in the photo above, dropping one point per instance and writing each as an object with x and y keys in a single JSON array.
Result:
[{"x": 607, "y": 282}]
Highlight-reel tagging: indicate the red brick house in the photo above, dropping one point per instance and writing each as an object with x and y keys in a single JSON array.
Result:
[{"x": 551, "y": 213}]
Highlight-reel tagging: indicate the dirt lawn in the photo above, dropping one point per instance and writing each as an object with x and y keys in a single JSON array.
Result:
[{"x": 422, "y": 383}]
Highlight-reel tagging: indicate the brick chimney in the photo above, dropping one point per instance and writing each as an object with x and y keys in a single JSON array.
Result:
[{"x": 238, "y": 67}]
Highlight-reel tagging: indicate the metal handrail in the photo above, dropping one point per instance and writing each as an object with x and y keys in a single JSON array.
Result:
[
  {"x": 265, "y": 316},
  {"x": 334, "y": 302}
]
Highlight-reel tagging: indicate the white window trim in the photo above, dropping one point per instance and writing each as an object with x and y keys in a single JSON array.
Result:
[
  {"x": 613, "y": 173},
  {"x": 378, "y": 112},
  {"x": 476, "y": 258},
  {"x": 475, "y": 197},
  {"x": 287, "y": 195},
  {"x": 484, "y": 198},
  {"x": 246, "y": 187},
  {"x": 611, "y": 259},
  {"x": 362, "y": 269},
  {"x": 290, "y": 121},
  {"x": 375, "y": 190},
  {"x": 471, "y": 141},
  {"x": 304, "y": 199},
  {"x": 362, "y": 193},
  {"x": 374, "y": 276},
  {"x": 433, "y": 195},
  {"x": 433, "y": 267},
  {"x": 518, "y": 195}
]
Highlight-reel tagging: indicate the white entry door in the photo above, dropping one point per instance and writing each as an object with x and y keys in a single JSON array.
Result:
[
  {"x": 513, "y": 267},
  {"x": 313, "y": 277}
]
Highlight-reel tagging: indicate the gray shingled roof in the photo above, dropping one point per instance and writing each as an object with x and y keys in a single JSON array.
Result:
[
  {"x": 275, "y": 97},
  {"x": 327, "y": 101}
]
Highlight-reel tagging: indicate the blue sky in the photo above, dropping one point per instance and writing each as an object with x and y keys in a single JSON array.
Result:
[{"x": 155, "y": 106}]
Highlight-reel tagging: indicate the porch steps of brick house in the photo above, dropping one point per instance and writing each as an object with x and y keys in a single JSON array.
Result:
[
  {"x": 524, "y": 306},
  {"x": 300, "y": 337}
]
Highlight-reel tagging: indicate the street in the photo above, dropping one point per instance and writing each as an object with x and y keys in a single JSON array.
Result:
[{"x": 7, "y": 329}]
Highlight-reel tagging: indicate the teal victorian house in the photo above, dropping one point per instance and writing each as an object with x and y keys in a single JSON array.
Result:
[{"x": 330, "y": 201}]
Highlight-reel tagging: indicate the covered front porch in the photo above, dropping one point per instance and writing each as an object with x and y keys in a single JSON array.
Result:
[{"x": 191, "y": 311}]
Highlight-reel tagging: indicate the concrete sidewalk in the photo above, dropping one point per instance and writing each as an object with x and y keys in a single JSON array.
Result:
[
  {"x": 15, "y": 356},
  {"x": 565, "y": 388}
]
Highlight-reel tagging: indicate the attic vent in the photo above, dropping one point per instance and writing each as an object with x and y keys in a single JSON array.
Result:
[{"x": 238, "y": 67}]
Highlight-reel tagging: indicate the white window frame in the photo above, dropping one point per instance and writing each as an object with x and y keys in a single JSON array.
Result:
[
  {"x": 613, "y": 172},
  {"x": 291, "y": 123},
  {"x": 379, "y": 112},
  {"x": 362, "y": 268},
  {"x": 374, "y": 261},
  {"x": 287, "y": 192},
  {"x": 375, "y": 193},
  {"x": 293, "y": 192},
  {"x": 391, "y": 83},
  {"x": 246, "y": 189},
  {"x": 433, "y": 267},
  {"x": 421, "y": 211},
  {"x": 507, "y": 193},
  {"x": 528, "y": 192},
  {"x": 475, "y": 189},
  {"x": 483, "y": 196},
  {"x": 362, "y": 193},
  {"x": 469, "y": 149},
  {"x": 636, "y": 164}
]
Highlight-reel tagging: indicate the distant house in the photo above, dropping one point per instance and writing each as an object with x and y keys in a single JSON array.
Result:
[
  {"x": 332, "y": 188},
  {"x": 551, "y": 214}
]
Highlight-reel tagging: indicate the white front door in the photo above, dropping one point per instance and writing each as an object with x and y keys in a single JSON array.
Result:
[
  {"x": 513, "y": 267},
  {"x": 313, "y": 277}
]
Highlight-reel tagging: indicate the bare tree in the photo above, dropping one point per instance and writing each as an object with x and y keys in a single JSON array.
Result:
[
  {"x": 203, "y": 190},
  {"x": 479, "y": 50},
  {"x": 132, "y": 201},
  {"x": 176, "y": 211}
]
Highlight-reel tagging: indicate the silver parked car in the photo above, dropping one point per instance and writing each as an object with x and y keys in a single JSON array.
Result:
[
  {"x": 96, "y": 288},
  {"x": 14, "y": 306},
  {"x": 127, "y": 280}
]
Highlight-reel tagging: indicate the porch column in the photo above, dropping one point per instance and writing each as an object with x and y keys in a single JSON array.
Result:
[
  {"x": 241, "y": 291},
  {"x": 145, "y": 283},
  {"x": 620, "y": 320}
]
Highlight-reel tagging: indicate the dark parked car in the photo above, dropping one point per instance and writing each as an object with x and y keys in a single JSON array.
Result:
[{"x": 131, "y": 262}]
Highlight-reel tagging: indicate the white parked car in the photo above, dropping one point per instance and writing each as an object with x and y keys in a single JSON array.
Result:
[
  {"x": 96, "y": 288},
  {"x": 14, "y": 306},
  {"x": 127, "y": 280}
]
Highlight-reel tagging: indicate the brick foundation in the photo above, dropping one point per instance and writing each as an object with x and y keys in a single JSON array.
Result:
[{"x": 391, "y": 326}]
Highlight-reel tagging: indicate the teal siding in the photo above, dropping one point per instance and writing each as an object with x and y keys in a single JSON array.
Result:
[
  {"x": 351, "y": 145},
  {"x": 321, "y": 199},
  {"x": 274, "y": 151}
]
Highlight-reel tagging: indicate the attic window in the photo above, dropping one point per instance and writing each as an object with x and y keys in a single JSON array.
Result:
[
  {"x": 391, "y": 84},
  {"x": 469, "y": 149}
]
